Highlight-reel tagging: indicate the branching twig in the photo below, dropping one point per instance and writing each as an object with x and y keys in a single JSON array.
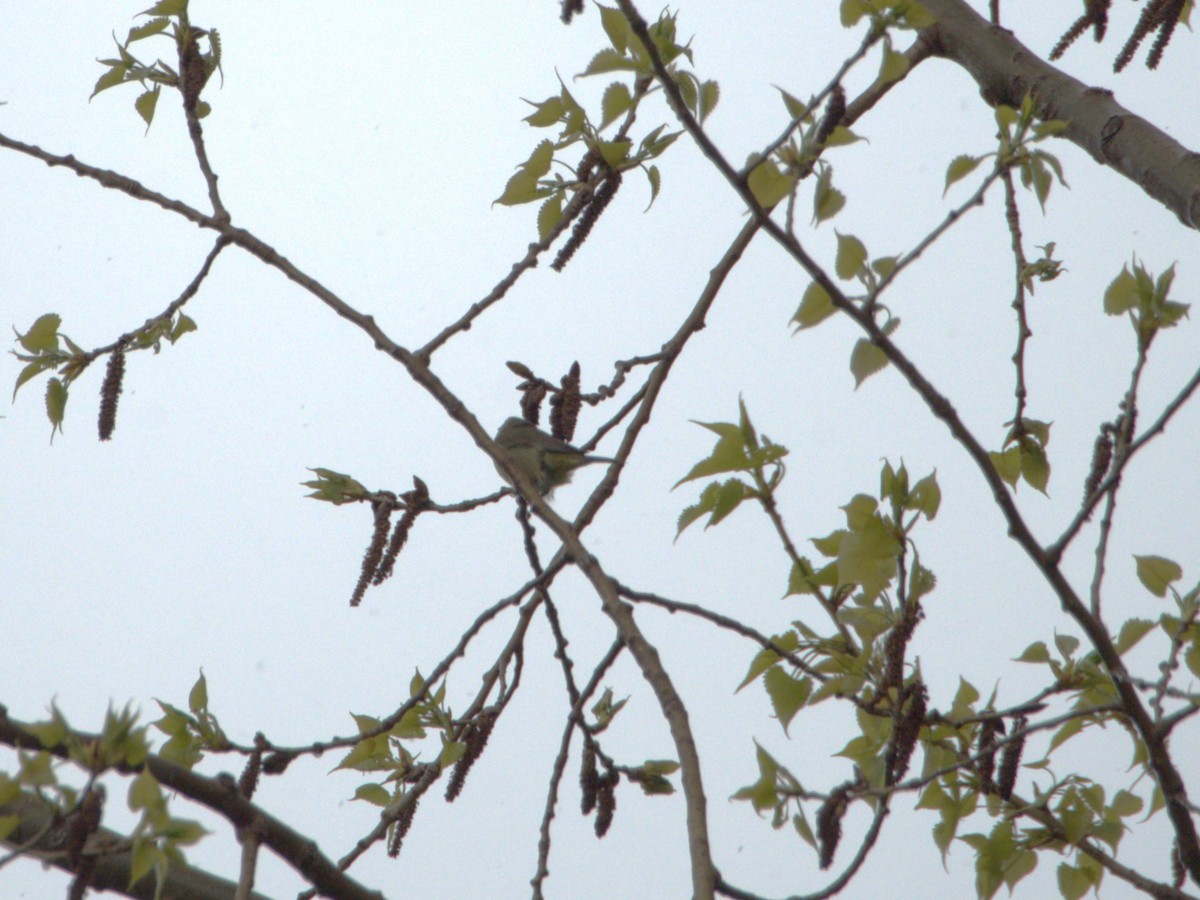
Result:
[
  {"x": 574, "y": 720},
  {"x": 1159, "y": 758}
]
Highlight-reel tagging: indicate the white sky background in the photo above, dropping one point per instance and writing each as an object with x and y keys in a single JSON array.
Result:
[{"x": 367, "y": 146}]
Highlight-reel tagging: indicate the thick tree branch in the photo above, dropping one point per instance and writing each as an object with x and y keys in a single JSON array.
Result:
[
  {"x": 1006, "y": 70},
  {"x": 292, "y": 847},
  {"x": 1169, "y": 779}
]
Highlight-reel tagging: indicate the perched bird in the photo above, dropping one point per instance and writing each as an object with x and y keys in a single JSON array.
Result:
[{"x": 548, "y": 461}]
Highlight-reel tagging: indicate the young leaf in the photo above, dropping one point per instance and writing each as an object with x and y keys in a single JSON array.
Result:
[
  {"x": 851, "y": 256},
  {"x": 768, "y": 184},
  {"x": 815, "y": 307},
  {"x": 1157, "y": 573},
  {"x": 865, "y": 360}
]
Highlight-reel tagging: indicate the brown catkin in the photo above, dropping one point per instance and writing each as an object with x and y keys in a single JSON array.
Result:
[
  {"x": 403, "y": 823},
  {"x": 1101, "y": 459},
  {"x": 475, "y": 736},
  {"x": 110, "y": 393},
  {"x": 374, "y": 553},
  {"x": 606, "y": 802},
  {"x": 1167, "y": 21},
  {"x": 248, "y": 783},
  {"x": 589, "y": 780},
  {"x": 908, "y": 728},
  {"x": 193, "y": 74},
  {"x": 588, "y": 218},
  {"x": 569, "y": 9},
  {"x": 1078, "y": 27},
  {"x": 985, "y": 746},
  {"x": 835, "y": 111},
  {"x": 1010, "y": 761},
  {"x": 278, "y": 761},
  {"x": 829, "y": 824},
  {"x": 416, "y": 501},
  {"x": 565, "y": 405}
]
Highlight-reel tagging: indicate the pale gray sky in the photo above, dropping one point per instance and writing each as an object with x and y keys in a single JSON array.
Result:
[{"x": 367, "y": 143}]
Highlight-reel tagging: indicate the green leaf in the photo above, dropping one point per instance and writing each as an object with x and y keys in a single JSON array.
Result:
[
  {"x": 1067, "y": 645},
  {"x": 689, "y": 89},
  {"x": 56, "y": 404},
  {"x": 788, "y": 694},
  {"x": 114, "y": 76},
  {"x": 1037, "y": 652},
  {"x": 728, "y": 456},
  {"x": 655, "y": 179},
  {"x": 917, "y": 16},
  {"x": 1072, "y": 883},
  {"x": 615, "y": 152},
  {"x": 1191, "y": 658},
  {"x": 706, "y": 504},
  {"x": 452, "y": 752},
  {"x": 658, "y": 146},
  {"x": 766, "y": 657},
  {"x": 539, "y": 160},
  {"x": 616, "y": 27},
  {"x": 42, "y": 336},
  {"x": 867, "y": 557},
  {"x": 1069, "y": 729},
  {"x": 549, "y": 214},
  {"x": 1035, "y": 467},
  {"x": 1122, "y": 293},
  {"x": 608, "y": 61},
  {"x": 1008, "y": 464},
  {"x": 926, "y": 496},
  {"x": 522, "y": 188},
  {"x": 851, "y": 256},
  {"x": 841, "y": 136},
  {"x": 729, "y": 497},
  {"x": 167, "y": 8},
  {"x": 616, "y": 102},
  {"x": 1020, "y": 865},
  {"x": 885, "y": 265},
  {"x": 198, "y": 696},
  {"x": 33, "y": 369},
  {"x": 921, "y": 581},
  {"x": 893, "y": 66},
  {"x": 803, "y": 579},
  {"x": 1131, "y": 632},
  {"x": 146, "y": 103},
  {"x": 795, "y": 108},
  {"x": 375, "y": 794},
  {"x": 1126, "y": 804},
  {"x": 827, "y": 200},
  {"x": 146, "y": 856},
  {"x": 546, "y": 113},
  {"x": 182, "y": 831},
  {"x": 852, "y": 11},
  {"x": 710, "y": 94},
  {"x": 830, "y": 544},
  {"x": 965, "y": 700},
  {"x": 1006, "y": 117},
  {"x": 761, "y": 793},
  {"x": 815, "y": 307},
  {"x": 183, "y": 325},
  {"x": 960, "y": 167},
  {"x": 865, "y": 360},
  {"x": 151, "y": 28},
  {"x": 768, "y": 184},
  {"x": 1156, "y": 573},
  {"x": 335, "y": 487}
]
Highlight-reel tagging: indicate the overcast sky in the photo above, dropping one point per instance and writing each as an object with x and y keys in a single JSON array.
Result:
[{"x": 367, "y": 143}]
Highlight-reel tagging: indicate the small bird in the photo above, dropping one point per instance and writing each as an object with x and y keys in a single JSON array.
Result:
[{"x": 546, "y": 460}]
